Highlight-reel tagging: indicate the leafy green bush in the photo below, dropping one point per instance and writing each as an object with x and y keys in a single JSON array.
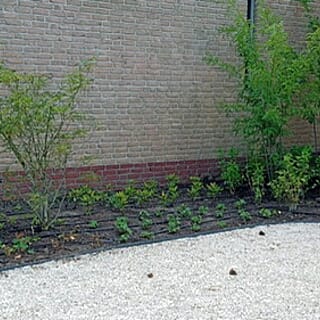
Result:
[
  {"x": 291, "y": 181},
  {"x": 270, "y": 73},
  {"x": 310, "y": 92},
  {"x": 38, "y": 125}
]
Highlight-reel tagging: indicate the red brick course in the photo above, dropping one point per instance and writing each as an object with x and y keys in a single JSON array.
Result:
[{"x": 116, "y": 176}]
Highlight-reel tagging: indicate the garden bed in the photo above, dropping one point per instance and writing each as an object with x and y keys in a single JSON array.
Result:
[{"x": 81, "y": 229}]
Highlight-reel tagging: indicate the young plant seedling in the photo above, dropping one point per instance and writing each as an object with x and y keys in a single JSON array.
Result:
[
  {"x": 60, "y": 222},
  {"x": 118, "y": 200},
  {"x": 23, "y": 245},
  {"x": 159, "y": 213},
  {"x": 146, "y": 221},
  {"x": 93, "y": 224},
  {"x": 147, "y": 235},
  {"x": 151, "y": 186},
  {"x": 130, "y": 190},
  {"x": 220, "y": 210},
  {"x": 12, "y": 220},
  {"x": 123, "y": 228},
  {"x": 222, "y": 224},
  {"x": 195, "y": 223},
  {"x": 230, "y": 170},
  {"x": 171, "y": 195},
  {"x": 267, "y": 213},
  {"x": 184, "y": 211},
  {"x": 256, "y": 176},
  {"x": 240, "y": 204},
  {"x": 172, "y": 180},
  {"x": 213, "y": 189},
  {"x": 243, "y": 213},
  {"x": 85, "y": 196},
  {"x": 195, "y": 188},
  {"x": 203, "y": 210},
  {"x": 173, "y": 223},
  {"x": 143, "y": 196}
]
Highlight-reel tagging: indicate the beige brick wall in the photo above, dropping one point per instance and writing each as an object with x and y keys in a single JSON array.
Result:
[{"x": 153, "y": 98}]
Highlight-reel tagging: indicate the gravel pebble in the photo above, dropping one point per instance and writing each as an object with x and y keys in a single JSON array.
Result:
[{"x": 277, "y": 277}]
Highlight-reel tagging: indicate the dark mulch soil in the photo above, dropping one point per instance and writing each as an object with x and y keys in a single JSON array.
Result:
[{"x": 75, "y": 233}]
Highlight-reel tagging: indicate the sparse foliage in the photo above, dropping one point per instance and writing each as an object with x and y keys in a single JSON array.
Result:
[{"x": 38, "y": 125}]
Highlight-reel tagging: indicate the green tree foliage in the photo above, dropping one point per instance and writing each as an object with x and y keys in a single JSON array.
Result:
[
  {"x": 310, "y": 90},
  {"x": 270, "y": 74}
]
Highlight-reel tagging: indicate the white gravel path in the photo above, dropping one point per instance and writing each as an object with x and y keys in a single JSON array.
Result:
[{"x": 277, "y": 278}]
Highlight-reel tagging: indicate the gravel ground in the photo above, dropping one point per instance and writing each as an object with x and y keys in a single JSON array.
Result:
[{"x": 277, "y": 277}]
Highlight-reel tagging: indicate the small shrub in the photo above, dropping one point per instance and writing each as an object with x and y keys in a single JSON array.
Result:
[
  {"x": 292, "y": 179},
  {"x": 38, "y": 125},
  {"x": 270, "y": 74}
]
